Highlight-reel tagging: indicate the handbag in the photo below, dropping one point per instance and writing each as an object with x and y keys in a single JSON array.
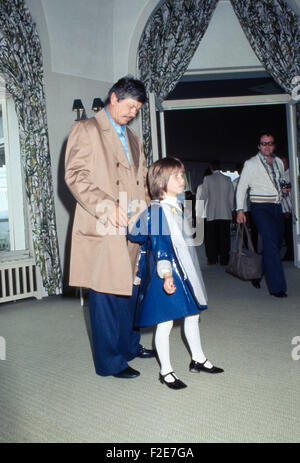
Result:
[{"x": 244, "y": 263}]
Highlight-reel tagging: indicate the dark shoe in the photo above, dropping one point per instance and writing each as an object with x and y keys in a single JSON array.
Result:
[
  {"x": 211, "y": 263},
  {"x": 177, "y": 384},
  {"x": 145, "y": 353},
  {"x": 128, "y": 373},
  {"x": 196, "y": 367},
  {"x": 279, "y": 294},
  {"x": 256, "y": 283}
]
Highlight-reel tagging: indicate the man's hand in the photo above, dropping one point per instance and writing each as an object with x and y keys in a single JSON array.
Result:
[
  {"x": 118, "y": 217},
  {"x": 168, "y": 285},
  {"x": 241, "y": 217}
]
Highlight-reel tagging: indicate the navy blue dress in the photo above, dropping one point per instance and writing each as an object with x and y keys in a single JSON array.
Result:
[{"x": 154, "y": 304}]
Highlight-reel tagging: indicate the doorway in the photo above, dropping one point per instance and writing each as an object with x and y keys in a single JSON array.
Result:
[{"x": 198, "y": 136}]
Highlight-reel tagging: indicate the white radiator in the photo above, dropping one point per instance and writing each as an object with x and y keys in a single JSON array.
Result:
[{"x": 19, "y": 280}]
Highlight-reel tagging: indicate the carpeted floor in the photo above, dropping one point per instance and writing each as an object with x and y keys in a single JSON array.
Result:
[{"x": 50, "y": 393}]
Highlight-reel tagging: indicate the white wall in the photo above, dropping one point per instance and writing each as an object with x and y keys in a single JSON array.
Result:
[
  {"x": 224, "y": 44},
  {"x": 81, "y": 37},
  {"x": 129, "y": 16},
  {"x": 91, "y": 39}
]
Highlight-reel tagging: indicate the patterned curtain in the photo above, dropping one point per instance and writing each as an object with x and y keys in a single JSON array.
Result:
[
  {"x": 166, "y": 48},
  {"x": 273, "y": 31},
  {"x": 21, "y": 66}
]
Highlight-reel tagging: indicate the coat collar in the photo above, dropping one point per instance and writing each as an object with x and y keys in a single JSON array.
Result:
[{"x": 113, "y": 140}]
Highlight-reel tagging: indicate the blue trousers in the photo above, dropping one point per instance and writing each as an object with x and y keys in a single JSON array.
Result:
[
  {"x": 268, "y": 219},
  {"x": 115, "y": 341}
]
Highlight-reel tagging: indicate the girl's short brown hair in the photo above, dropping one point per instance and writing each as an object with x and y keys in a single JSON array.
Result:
[{"x": 159, "y": 174}]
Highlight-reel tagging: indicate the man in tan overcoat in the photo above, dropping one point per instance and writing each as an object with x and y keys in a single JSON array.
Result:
[{"x": 106, "y": 173}]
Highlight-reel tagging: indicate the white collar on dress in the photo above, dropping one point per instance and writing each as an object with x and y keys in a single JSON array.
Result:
[{"x": 172, "y": 201}]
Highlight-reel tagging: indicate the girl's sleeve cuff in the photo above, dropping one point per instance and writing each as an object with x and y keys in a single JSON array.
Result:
[{"x": 163, "y": 266}]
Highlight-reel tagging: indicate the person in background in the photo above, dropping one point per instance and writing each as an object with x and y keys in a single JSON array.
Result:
[
  {"x": 262, "y": 175},
  {"x": 200, "y": 211},
  {"x": 218, "y": 196}
]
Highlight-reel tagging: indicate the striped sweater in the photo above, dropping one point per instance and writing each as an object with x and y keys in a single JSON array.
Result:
[{"x": 255, "y": 179}]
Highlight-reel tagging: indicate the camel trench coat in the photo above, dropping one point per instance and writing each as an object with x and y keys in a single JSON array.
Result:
[{"x": 99, "y": 176}]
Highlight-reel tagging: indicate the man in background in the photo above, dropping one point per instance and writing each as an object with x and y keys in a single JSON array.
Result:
[
  {"x": 218, "y": 196},
  {"x": 262, "y": 175}
]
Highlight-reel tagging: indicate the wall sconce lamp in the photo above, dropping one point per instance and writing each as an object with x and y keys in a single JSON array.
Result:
[
  {"x": 79, "y": 108},
  {"x": 97, "y": 104}
]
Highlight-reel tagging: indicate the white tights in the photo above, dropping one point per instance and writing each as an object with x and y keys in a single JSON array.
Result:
[{"x": 192, "y": 334}]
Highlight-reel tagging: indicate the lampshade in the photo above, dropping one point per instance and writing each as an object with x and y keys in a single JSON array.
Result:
[
  {"x": 97, "y": 104},
  {"x": 77, "y": 105}
]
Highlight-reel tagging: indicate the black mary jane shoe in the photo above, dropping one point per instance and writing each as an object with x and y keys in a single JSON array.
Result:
[
  {"x": 177, "y": 384},
  {"x": 196, "y": 367},
  {"x": 279, "y": 294}
]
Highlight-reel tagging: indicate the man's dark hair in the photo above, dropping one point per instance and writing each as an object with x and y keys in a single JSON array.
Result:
[
  {"x": 215, "y": 165},
  {"x": 128, "y": 87},
  {"x": 267, "y": 132}
]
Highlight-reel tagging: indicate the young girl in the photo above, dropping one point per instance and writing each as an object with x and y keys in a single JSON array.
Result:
[{"x": 171, "y": 280}]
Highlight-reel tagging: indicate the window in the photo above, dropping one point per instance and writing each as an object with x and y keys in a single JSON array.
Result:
[{"x": 13, "y": 218}]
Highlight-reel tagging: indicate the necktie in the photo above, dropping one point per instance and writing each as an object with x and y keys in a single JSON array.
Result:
[{"x": 122, "y": 136}]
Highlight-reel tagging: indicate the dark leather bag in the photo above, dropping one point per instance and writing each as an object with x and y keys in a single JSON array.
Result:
[{"x": 244, "y": 263}]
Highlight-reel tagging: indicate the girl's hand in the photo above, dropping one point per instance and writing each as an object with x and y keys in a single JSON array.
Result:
[{"x": 168, "y": 285}]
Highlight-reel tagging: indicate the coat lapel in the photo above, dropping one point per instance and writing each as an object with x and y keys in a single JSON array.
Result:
[
  {"x": 134, "y": 149},
  {"x": 112, "y": 140}
]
